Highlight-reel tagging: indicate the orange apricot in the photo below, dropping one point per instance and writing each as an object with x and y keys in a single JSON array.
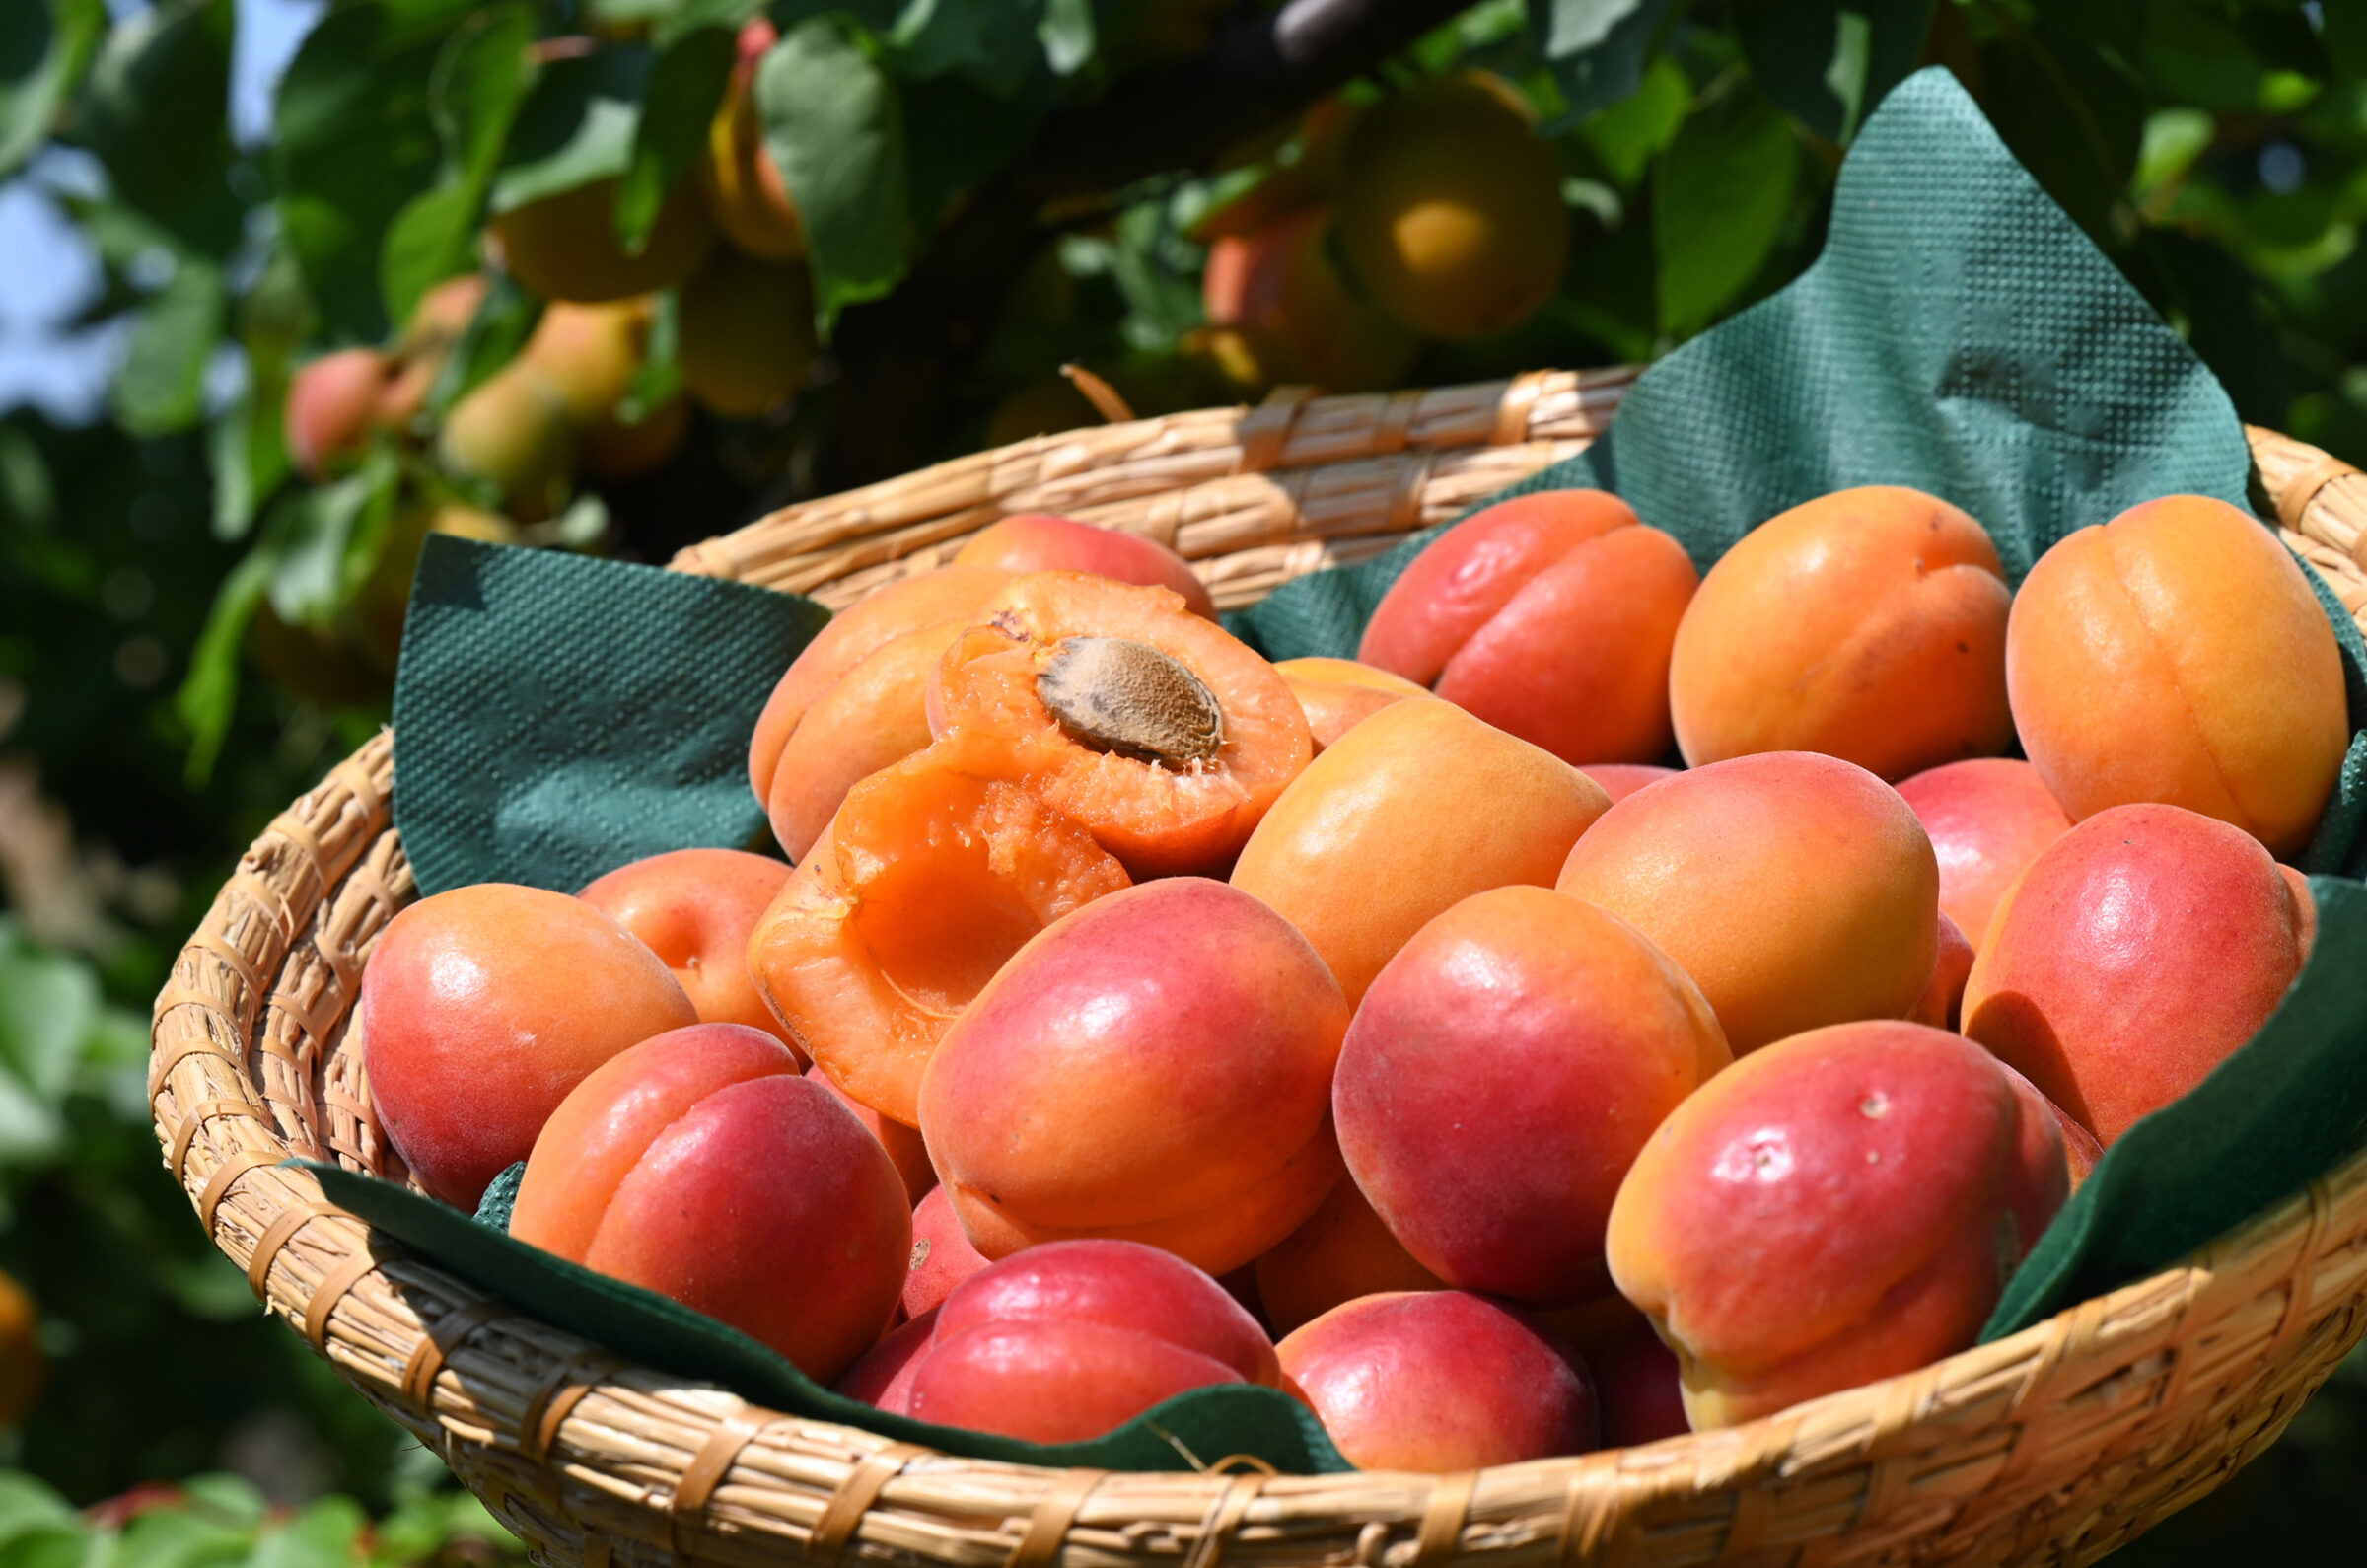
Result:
[
  {"x": 1280, "y": 284},
  {"x": 1988, "y": 817},
  {"x": 332, "y": 405},
  {"x": 1042, "y": 542},
  {"x": 566, "y": 246},
  {"x": 1623, "y": 780},
  {"x": 738, "y": 180},
  {"x": 1338, "y": 694},
  {"x": 695, "y": 909},
  {"x": 1341, "y": 1253}
]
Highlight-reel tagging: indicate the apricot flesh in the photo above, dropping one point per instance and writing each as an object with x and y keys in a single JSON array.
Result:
[
  {"x": 1797, "y": 890},
  {"x": 1043, "y": 542},
  {"x": 1988, "y": 817},
  {"x": 875, "y": 716},
  {"x": 1868, "y": 624},
  {"x": 694, "y": 908},
  {"x": 1841, "y": 1206},
  {"x": 2178, "y": 655},
  {"x": 2135, "y": 953}
]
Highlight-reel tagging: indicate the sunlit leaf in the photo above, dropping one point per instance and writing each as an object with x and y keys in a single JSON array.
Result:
[
  {"x": 479, "y": 81},
  {"x": 834, "y": 125},
  {"x": 48, "y": 1003},
  {"x": 576, "y": 126},
  {"x": 45, "y": 46},
  {"x": 155, "y": 109},
  {"x": 1627, "y": 134},
  {"x": 1598, "y": 49},
  {"x": 1719, "y": 200},
  {"x": 329, "y": 529}
]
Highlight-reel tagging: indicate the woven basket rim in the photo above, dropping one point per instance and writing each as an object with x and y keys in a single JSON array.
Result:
[{"x": 585, "y": 1455}]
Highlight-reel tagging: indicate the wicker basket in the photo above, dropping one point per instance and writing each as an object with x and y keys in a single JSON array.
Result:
[{"x": 2056, "y": 1445}]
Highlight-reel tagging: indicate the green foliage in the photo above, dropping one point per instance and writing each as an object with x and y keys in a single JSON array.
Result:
[
  {"x": 834, "y": 121},
  {"x": 44, "y": 50}
]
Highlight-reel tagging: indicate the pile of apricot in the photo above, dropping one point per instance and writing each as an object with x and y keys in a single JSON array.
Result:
[{"x": 1135, "y": 1001}]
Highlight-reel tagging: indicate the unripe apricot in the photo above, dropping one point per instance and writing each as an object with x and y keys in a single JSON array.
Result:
[
  {"x": 1279, "y": 281},
  {"x": 700, "y": 1166},
  {"x": 589, "y": 354},
  {"x": 745, "y": 333},
  {"x": 483, "y": 1008},
  {"x": 1796, "y": 889},
  {"x": 1041, "y": 541},
  {"x": 695, "y": 909},
  {"x": 1412, "y": 812},
  {"x": 1449, "y": 208},
  {"x": 1868, "y": 624},
  {"x": 1441, "y": 1379},
  {"x": 2177, "y": 654},
  {"x": 565, "y": 246},
  {"x": 514, "y": 433},
  {"x": 1500, "y": 1075},
  {"x": 2136, "y": 953},
  {"x": 739, "y": 181},
  {"x": 1156, "y": 1066},
  {"x": 1842, "y": 1206},
  {"x": 332, "y": 406},
  {"x": 1988, "y": 817}
]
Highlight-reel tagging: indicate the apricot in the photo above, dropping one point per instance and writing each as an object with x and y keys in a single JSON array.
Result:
[
  {"x": 2134, "y": 956},
  {"x": 700, "y": 1166},
  {"x": 1341, "y": 1253},
  {"x": 929, "y": 880},
  {"x": 942, "y": 1256},
  {"x": 695, "y": 909},
  {"x": 1279, "y": 282},
  {"x": 616, "y": 448},
  {"x": 1943, "y": 997},
  {"x": 1440, "y": 1380},
  {"x": 1639, "y": 1388},
  {"x": 1845, "y": 1205},
  {"x": 1987, "y": 818},
  {"x": 739, "y": 181},
  {"x": 1155, "y": 1066},
  {"x": 513, "y": 432},
  {"x": 1868, "y": 624},
  {"x": 1623, "y": 780},
  {"x": 23, "y": 1369},
  {"x": 565, "y": 246},
  {"x": 1338, "y": 694},
  {"x": 2177, "y": 654},
  {"x": 483, "y": 1007},
  {"x": 1156, "y": 729},
  {"x": 882, "y": 1376},
  {"x": 1796, "y": 889},
  {"x": 1550, "y": 616},
  {"x": 1500, "y": 1075},
  {"x": 873, "y": 717},
  {"x": 889, "y": 612},
  {"x": 1412, "y": 812},
  {"x": 588, "y": 355},
  {"x": 1071, "y": 1339},
  {"x": 1041, "y": 541},
  {"x": 905, "y": 1151},
  {"x": 745, "y": 333},
  {"x": 1450, "y": 207},
  {"x": 437, "y": 322},
  {"x": 332, "y": 406}
]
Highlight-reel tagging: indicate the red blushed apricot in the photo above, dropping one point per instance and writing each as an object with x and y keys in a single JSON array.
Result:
[
  {"x": 1278, "y": 287},
  {"x": 1440, "y": 1380},
  {"x": 873, "y": 717},
  {"x": 2178, "y": 655},
  {"x": 1943, "y": 999},
  {"x": 1155, "y": 1066},
  {"x": 700, "y": 1166},
  {"x": 1501, "y": 1074},
  {"x": 1548, "y": 616},
  {"x": 1414, "y": 810},
  {"x": 1338, "y": 694},
  {"x": 1156, "y": 729},
  {"x": 1987, "y": 818},
  {"x": 1042, "y": 542},
  {"x": 1341, "y": 1253},
  {"x": 695, "y": 909},
  {"x": 1796, "y": 889},
  {"x": 2081, "y": 1151},
  {"x": 483, "y": 1007},
  {"x": 928, "y": 879},
  {"x": 1640, "y": 1391},
  {"x": 1841, "y": 1206},
  {"x": 1071, "y": 1339},
  {"x": 906, "y": 1150},
  {"x": 1623, "y": 780},
  {"x": 1868, "y": 624},
  {"x": 942, "y": 1256},
  {"x": 855, "y": 634},
  {"x": 2135, "y": 955},
  {"x": 882, "y": 1376}
]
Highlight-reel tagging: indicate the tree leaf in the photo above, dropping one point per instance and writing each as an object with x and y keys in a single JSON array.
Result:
[
  {"x": 155, "y": 109},
  {"x": 208, "y": 698},
  {"x": 480, "y": 79},
  {"x": 2072, "y": 116},
  {"x": 48, "y": 1003},
  {"x": 160, "y": 386},
  {"x": 44, "y": 49},
  {"x": 331, "y": 532},
  {"x": 577, "y": 125},
  {"x": 1598, "y": 49},
  {"x": 956, "y": 134},
  {"x": 1067, "y": 34},
  {"x": 1827, "y": 63},
  {"x": 500, "y": 327},
  {"x": 991, "y": 43},
  {"x": 834, "y": 125},
  {"x": 1629, "y": 134},
  {"x": 685, "y": 89},
  {"x": 1719, "y": 200}
]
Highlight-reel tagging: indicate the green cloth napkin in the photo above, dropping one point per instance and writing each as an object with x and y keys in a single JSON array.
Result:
[{"x": 556, "y": 716}]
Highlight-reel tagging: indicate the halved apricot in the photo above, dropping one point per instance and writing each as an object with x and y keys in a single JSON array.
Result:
[
  {"x": 872, "y": 717},
  {"x": 926, "y": 881},
  {"x": 1162, "y": 733}
]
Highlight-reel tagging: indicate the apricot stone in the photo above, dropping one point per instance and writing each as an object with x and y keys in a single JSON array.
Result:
[
  {"x": 483, "y": 1007},
  {"x": 1868, "y": 624},
  {"x": 1155, "y": 1066},
  {"x": 1987, "y": 818},
  {"x": 2177, "y": 654},
  {"x": 1499, "y": 1077},
  {"x": 2134, "y": 955},
  {"x": 1412, "y": 812},
  {"x": 1796, "y": 889},
  {"x": 1440, "y": 1380},
  {"x": 694, "y": 908},
  {"x": 1043, "y": 542},
  {"x": 1842, "y": 1206}
]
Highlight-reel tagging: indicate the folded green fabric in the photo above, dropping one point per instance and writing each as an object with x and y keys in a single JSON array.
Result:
[{"x": 556, "y": 716}]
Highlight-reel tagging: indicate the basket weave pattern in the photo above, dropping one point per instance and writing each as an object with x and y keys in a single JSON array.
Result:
[{"x": 2056, "y": 1445}]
